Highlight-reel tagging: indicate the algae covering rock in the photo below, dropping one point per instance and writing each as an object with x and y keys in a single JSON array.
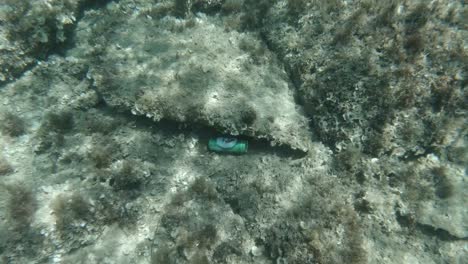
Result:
[
  {"x": 82, "y": 180},
  {"x": 448, "y": 211},
  {"x": 387, "y": 77},
  {"x": 193, "y": 71},
  {"x": 32, "y": 30}
]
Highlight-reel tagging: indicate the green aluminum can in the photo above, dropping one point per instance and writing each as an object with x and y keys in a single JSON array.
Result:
[{"x": 228, "y": 145}]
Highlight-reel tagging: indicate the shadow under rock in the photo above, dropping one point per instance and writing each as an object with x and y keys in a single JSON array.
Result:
[{"x": 205, "y": 133}]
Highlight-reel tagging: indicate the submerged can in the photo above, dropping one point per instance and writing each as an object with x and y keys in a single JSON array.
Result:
[{"x": 228, "y": 145}]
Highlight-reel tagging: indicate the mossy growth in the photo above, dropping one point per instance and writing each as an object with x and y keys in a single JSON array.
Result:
[
  {"x": 232, "y": 6},
  {"x": 203, "y": 188},
  {"x": 444, "y": 188},
  {"x": 125, "y": 178},
  {"x": 414, "y": 43},
  {"x": 161, "y": 255},
  {"x": 100, "y": 157},
  {"x": 225, "y": 249},
  {"x": 295, "y": 6},
  {"x": 48, "y": 141},
  {"x": 244, "y": 202},
  {"x": 113, "y": 208},
  {"x": 181, "y": 8},
  {"x": 202, "y": 236},
  {"x": 12, "y": 125},
  {"x": 199, "y": 258},
  {"x": 179, "y": 198},
  {"x": 387, "y": 14},
  {"x": 208, "y": 7},
  {"x": 59, "y": 121},
  {"x": 345, "y": 30},
  {"x": 254, "y": 13},
  {"x": 21, "y": 205},
  {"x": 174, "y": 218},
  {"x": 349, "y": 159},
  {"x": 355, "y": 252},
  {"x": 417, "y": 18},
  {"x": 252, "y": 46},
  {"x": 283, "y": 240},
  {"x": 417, "y": 187},
  {"x": 68, "y": 209},
  {"x": 361, "y": 204},
  {"x": 5, "y": 167},
  {"x": 96, "y": 122},
  {"x": 102, "y": 154},
  {"x": 52, "y": 130},
  {"x": 445, "y": 96},
  {"x": 458, "y": 154}
]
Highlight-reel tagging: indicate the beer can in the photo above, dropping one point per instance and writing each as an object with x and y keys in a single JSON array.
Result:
[{"x": 228, "y": 145}]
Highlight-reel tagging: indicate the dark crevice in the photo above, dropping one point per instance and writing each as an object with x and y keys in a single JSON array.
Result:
[
  {"x": 413, "y": 156},
  {"x": 294, "y": 79},
  {"x": 212, "y": 9},
  {"x": 293, "y": 75},
  {"x": 441, "y": 234},
  {"x": 204, "y": 133},
  {"x": 18, "y": 74},
  {"x": 410, "y": 222}
]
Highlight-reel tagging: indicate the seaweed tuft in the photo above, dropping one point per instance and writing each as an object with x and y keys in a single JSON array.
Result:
[
  {"x": 100, "y": 156},
  {"x": 349, "y": 158},
  {"x": 125, "y": 178},
  {"x": 204, "y": 188},
  {"x": 443, "y": 187},
  {"x": 181, "y": 8},
  {"x": 295, "y": 6},
  {"x": 199, "y": 258},
  {"x": 59, "y": 122},
  {"x": 5, "y": 166},
  {"x": 248, "y": 115},
  {"x": 21, "y": 205},
  {"x": 162, "y": 255},
  {"x": 12, "y": 125},
  {"x": 68, "y": 209},
  {"x": 203, "y": 237},
  {"x": 414, "y": 43},
  {"x": 232, "y": 6}
]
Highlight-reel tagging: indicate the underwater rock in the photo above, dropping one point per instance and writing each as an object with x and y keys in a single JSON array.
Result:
[
  {"x": 193, "y": 71},
  {"x": 449, "y": 212},
  {"x": 31, "y": 31}
]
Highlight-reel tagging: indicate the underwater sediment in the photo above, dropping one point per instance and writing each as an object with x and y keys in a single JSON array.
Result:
[{"x": 354, "y": 113}]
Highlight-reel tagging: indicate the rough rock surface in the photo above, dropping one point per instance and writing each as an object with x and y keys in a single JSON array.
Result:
[
  {"x": 103, "y": 154},
  {"x": 31, "y": 31},
  {"x": 170, "y": 69}
]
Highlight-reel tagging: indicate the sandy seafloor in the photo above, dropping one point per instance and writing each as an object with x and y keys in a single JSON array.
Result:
[{"x": 355, "y": 114}]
